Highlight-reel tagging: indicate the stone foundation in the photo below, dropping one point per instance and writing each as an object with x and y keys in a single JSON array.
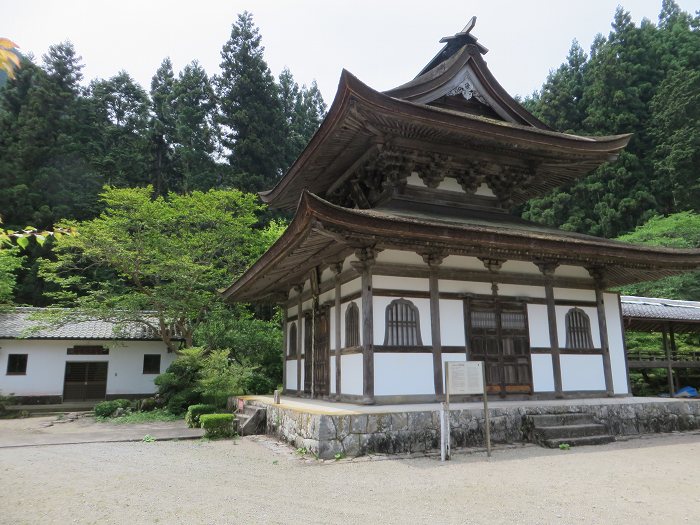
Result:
[{"x": 418, "y": 431}]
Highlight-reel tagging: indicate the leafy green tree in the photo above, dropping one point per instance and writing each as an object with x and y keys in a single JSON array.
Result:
[
  {"x": 10, "y": 262},
  {"x": 195, "y": 131},
  {"x": 166, "y": 256},
  {"x": 162, "y": 124},
  {"x": 680, "y": 230},
  {"x": 220, "y": 377},
  {"x": 250, "y": 112}
]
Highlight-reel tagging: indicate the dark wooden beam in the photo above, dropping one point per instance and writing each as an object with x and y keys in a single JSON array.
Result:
[
  {"x": 598, "y": 275},
  {"x": 547, "y": 268},
  {"x": 337, "y": 270},
  {"x": 365, "y": 260}
]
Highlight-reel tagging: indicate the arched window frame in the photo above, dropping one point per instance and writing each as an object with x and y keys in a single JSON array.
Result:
[
  {"x": 352, "y": 326},
  {"x": 402, "y": 324},
  {"x": 578, "y": 330},
  {"x": 292, "y": 343}
]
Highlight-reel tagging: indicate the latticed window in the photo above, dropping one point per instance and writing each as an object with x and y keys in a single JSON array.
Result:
[
  {"x": 293, "y": 340},
  {"x": 578, "y": 329},
  {"x": 352, "y": 326},
  {"x": 402, "y": 324}
]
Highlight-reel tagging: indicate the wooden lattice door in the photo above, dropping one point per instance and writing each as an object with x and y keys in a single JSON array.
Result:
[
  {"x": 85, "y": 380},
  {"x": 322, "y": 354},
  {"x": 498, "y": 335}
]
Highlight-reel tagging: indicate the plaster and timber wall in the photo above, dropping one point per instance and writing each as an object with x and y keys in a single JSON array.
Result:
[{"x": 46, "y": 363}]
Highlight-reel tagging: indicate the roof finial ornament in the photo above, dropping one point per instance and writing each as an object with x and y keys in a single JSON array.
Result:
[{"x": 464, "y": 32}]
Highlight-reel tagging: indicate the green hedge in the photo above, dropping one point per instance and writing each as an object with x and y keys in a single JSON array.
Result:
[
  {"x": 107, "y": 408},
  {"x": 217, "y": 425},
  {"x": 194, "y": 411}
]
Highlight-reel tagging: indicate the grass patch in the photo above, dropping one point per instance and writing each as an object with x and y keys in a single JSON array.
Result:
[{"x": 160, "y": 414}]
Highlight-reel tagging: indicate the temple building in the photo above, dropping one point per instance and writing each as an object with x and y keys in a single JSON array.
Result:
[{"x": 403, "y": 253}]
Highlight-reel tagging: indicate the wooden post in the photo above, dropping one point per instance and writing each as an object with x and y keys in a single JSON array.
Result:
[
  {"x": 300, "y": 327},
  {"x": 285, "y": 346},
  {"x": 337, "y": 269},
  {"x": 667, "y": 353},
  {"x": 433, "y": 261},
  {"x": 547, "y": 269},
  {"x": 599, "y": 277},
  {"x": 366, "y": 258}
]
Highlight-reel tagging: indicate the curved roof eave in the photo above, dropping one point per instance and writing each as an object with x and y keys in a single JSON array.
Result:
[{"x": 350, "y": 88}]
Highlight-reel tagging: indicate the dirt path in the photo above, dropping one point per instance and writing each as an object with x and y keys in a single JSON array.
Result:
[{"x": 255, "y": 481}]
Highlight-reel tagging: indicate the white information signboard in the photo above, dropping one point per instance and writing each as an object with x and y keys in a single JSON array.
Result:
[{"x": 463, "y": 378}]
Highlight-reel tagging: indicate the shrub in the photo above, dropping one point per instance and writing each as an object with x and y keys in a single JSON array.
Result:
[
  {"x": 5, "y": 402},
  {"x": 221, "y": 378},
  {"x": 147, "y": 404},
  {"x": 194, "y": 411},
  {"x": 217, "y": 425},
  {"x": 178, "y": 403},
  {"x": 107, "y": 408}
]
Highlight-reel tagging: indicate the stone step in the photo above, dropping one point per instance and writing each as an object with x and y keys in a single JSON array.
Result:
[
  {"x": 579, "y": 441},
  {"x": 568, "y": 418},
  {"x": 570, "y": 431},
  {"x": 251, "y": 420}
]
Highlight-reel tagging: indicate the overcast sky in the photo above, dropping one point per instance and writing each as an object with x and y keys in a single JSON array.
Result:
[{"x": 384, "y": 43}]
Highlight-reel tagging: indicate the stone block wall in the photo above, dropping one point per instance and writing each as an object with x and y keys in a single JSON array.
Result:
[{"x": 411, "y": 432}]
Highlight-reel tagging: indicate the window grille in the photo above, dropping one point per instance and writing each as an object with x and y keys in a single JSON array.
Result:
[
  {"x": 578, "y": 329},
  {"x": 402, "y": 324},
  {"x": 352, "y": 326}
]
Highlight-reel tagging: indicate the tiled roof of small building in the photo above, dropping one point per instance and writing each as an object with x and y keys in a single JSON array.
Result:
[
  {"x": 18, "y": 322},
  {"x": 655, "y": 308}
]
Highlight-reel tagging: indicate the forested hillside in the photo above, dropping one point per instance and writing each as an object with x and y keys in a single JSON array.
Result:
[
  {"x": 643, "y": 80},
  {"x": 61, "y": 141}
]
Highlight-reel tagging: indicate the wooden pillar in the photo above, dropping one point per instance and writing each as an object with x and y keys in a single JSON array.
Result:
[
  {"x": 599, "y": 277},
  {"x": 433, "y": 261},
  {"x": 337, "y": 269},
  {"x": 366, "y": 258},
  {"x": 300, "y": 327},
  {"x": 547, "y": 269},
  {"x": 285, "y": 346},
  {"x": 667, "y": 353},
  {"x": 674, "y": 355}
]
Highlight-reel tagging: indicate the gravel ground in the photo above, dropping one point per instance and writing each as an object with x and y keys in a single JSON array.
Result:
[{"x": 256, "y": 480}]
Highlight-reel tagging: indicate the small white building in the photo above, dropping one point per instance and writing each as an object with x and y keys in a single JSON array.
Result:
[{"x": 90, "y": 360}]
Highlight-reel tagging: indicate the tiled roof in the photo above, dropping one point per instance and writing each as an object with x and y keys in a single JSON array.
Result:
[
  {"x": 17, "y": 322},
  {"x": 654, "y": 308}
]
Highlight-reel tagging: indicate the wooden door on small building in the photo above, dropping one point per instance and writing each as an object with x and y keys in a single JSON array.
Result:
[
  {"x": 322, "y": 353},
  {"x": 497, "y": 333},
  {"x": 85, "y": 380}
]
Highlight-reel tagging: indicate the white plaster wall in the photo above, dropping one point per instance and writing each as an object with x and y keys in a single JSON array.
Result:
[
  {"x": 542, "y": 373},
  {"x": 301, "y": 361},
  {"x": 351, "y": 374},
  {"x": 452, "y": 286},
  {"x": 538, "y": 325},
  {"x": 616, "y": 343},
  {"x": 450, "y": 184},
  {"x": 463, "y": 262},
  {"x": 290, "y": 370},
  {"x": 566, "y": 270},
  {"x": 484, "y": 190},
  {"x": 592, "y": 314},
  {"x": 327, "y": 296},
  {"x": 582, "y": 372},
  {"x": 332, "y": 372},
  {"x": 403, "y": 374},
  {"x": 306, "y": 305},
  {"x": 450, "y": 357},
  {"x": 46, "y": 364},
  {"x": 291, "y": 311},
  {"x": 343, "y": 311},
  {"x": 521, "y": 290},
  {"x": 415, "y": 180},
  {"x": 379, "y": 317},
  {"x": 351, "y": 287},
  {"x": 573, "y": 294},
  {"x": 452, "y": 322},
  {"x": 400, "y": 257},
  {"x": 524, "y": 267},
  {"x": 400, "y": 283}
]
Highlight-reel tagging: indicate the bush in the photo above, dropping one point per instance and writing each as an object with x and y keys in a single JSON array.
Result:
[
  {"x": 107, "y": 408},
  {"x": 221, "y": 378},
  {"x": 178, "y": 403},
  {"x": 217, "y": 425},
  {"x": 147, "y": 404},
  {"x": 194, "y": 411}
]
